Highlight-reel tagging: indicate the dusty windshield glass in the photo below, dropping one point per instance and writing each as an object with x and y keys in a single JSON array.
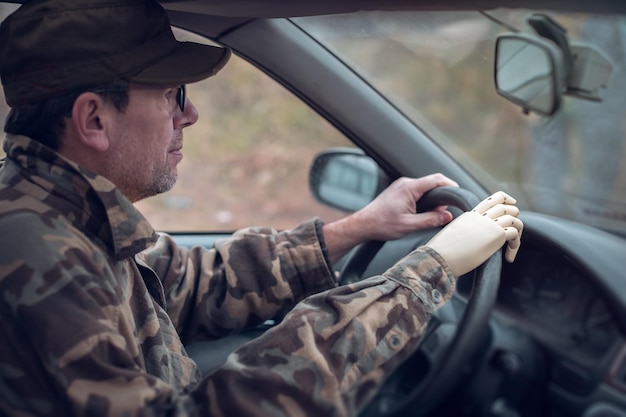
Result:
[{"x": 438, "y": 68}]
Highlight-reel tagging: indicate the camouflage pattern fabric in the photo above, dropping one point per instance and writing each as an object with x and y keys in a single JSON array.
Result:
[{"x": 95, "y": 308}]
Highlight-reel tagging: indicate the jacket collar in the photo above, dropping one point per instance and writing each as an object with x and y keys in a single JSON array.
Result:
[{"x": 88, "y": 200}]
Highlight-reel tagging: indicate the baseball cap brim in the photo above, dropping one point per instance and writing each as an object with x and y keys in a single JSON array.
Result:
[{"x": 191, "y": 62}]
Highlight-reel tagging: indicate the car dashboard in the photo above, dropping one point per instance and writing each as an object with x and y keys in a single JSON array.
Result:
[
  {"x": 554, "y": 300},
  {"x": 563, "y": 300}
]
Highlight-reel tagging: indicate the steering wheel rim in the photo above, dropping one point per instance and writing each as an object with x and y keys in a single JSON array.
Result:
[{"x": 443, "y": 375}]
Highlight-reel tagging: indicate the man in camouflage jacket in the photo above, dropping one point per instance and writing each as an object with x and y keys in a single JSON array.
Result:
[{"x": 96, "y": 306}]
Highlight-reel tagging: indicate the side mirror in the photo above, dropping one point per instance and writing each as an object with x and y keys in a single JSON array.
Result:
[
  {"x": 345, "y": 178},
  {"x": 529, "y": 72}
]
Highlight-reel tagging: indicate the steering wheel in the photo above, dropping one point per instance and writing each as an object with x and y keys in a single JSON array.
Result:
[{"x": 442, "y": 370}]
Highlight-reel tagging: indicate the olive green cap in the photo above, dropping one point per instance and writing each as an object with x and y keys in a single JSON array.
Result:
[{"x": 49, "y": 48}]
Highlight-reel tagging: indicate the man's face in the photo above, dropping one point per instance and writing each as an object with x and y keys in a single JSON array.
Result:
[{"x": 148, "y": 141}]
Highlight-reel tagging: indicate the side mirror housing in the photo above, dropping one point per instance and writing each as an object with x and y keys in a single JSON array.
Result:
[
  {"x": 345, "y": 178},
  {"x": 529, "y": 72}
]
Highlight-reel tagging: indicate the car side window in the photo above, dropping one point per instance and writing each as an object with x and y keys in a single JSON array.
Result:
[{"x": 246, "y": 161}]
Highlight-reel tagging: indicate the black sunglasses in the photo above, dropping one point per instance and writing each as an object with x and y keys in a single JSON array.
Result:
[
  {"x": 181, "y": 94},
  {"x": 181, "y": 97}
]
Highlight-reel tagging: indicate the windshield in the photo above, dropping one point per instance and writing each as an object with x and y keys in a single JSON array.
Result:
[{"x": 437, "y": 68}]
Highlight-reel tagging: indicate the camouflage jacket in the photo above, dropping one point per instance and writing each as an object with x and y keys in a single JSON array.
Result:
[{"x": 95, "y": 307}]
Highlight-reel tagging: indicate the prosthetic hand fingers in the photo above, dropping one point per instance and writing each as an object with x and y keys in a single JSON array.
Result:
[
  {"x": 499, "y": 197},
  {"x": 512, "y": 227},
  {"x": 501, "y": 210},
  {"x": 509, "y": 221},
  {"x": 513, "y": 237}
]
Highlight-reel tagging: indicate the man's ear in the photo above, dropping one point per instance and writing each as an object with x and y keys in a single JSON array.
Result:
[{"x": 90, "y": 122}]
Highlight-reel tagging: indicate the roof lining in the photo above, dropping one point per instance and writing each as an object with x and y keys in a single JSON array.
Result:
[{"x": 292, "y": 8}]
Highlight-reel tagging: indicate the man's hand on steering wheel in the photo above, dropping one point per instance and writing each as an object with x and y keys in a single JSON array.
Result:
[{"x": 390, "y": 216}]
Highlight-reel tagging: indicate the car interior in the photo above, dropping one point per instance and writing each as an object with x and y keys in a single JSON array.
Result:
[{"x": 543, "y": 336}]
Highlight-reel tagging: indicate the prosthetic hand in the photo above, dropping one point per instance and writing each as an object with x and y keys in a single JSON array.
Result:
[{"x": 470, "y": 239}]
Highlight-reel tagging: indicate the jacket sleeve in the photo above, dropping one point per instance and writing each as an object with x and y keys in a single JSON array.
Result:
[
  {"x": 331, "y": 354},
  {"x": 242, "y": 281}
]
